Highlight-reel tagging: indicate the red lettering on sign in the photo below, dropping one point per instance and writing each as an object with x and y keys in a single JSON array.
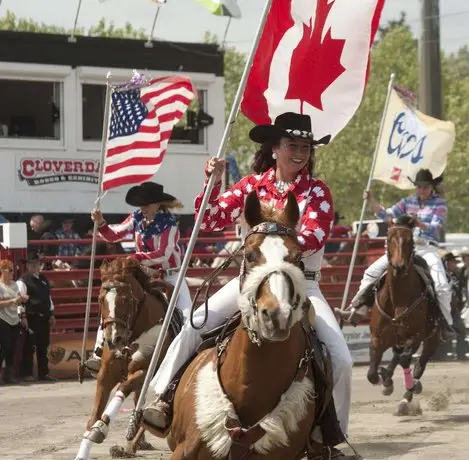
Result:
[{"x": 27, "y": 168}]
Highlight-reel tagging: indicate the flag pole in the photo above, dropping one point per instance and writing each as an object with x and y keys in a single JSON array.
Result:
[
  {"x": 203, "y": 206},
  {"x": 72, "y": 38},
  {"x": 367, "y": 190},
  {"x": 226, "y": 33},
  {"x": 149, "y": 42},
  {"x": 107, "y": 104}
]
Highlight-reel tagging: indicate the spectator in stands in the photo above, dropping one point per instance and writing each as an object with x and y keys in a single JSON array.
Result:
[
  {"x": 465, "y": 275},
  {"x": 67, "y": 233},
  {"x": 338, "y": 231},
  {"x": 455, "y": 279},
  {"x": 40, "y": 317},
  {"x": 42, "y": 229},
  {"x": 11, "y": 310}
]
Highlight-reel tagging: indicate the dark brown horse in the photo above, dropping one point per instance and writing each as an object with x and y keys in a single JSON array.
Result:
[
  {"x": 257, "y": 378},
  {"x": 403, "y": 316},
  {"x": 132, "y": 311}
]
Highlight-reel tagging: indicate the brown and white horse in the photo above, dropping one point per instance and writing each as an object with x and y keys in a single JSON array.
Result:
[
  {"x": 254, "y": 395},
  {"x": 132, "y": 311}
]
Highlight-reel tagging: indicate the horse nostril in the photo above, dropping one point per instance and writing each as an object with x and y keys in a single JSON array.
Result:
[
  {"x": 265, "y": 313},
  {"x": 118, "y": 339}
]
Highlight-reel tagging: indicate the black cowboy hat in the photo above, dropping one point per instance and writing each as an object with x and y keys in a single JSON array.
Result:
[
  {"x": 425, "y": 177},
  {"x": 287, "y": 124},
  {"x": 147, "y": 193},
  {"x": 32, "y": 256},
  {"x": 449, "y": 256}
]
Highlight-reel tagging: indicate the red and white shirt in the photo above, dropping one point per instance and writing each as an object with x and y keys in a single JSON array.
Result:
[
  {"x": 313, "y": 197},
  {"x": 156, "y": 244}
]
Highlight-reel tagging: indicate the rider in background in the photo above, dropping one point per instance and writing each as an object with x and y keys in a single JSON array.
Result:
[
  {"x": 156, "y": 235},
  {"x": 455, "y": 279},
  {"x": 285, "y": 162},
  {"x": 431, "y": 211}
]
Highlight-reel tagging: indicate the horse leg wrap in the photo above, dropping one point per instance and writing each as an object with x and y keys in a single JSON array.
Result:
[
  {"x": 408, "y": 379},
  {"x": 85, "y": 449},
  {"x": 113, "y": 407}
]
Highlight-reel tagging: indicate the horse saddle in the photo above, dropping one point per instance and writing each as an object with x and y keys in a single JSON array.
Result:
[
  {"x": 218, "y": 334},
  {"x": 423, "y": 270}
]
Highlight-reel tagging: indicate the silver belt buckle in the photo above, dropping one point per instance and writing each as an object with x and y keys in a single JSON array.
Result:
[{"x": 313, "y": 275}]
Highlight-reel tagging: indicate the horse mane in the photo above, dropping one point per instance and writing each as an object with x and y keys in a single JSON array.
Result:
[
  {"x": 121, "y": 267},
  {"x": 406, "y": 220}
]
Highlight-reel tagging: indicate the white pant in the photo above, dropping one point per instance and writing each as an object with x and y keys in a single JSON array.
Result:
[
  {"x": 432, "y": 257},
  {"x": 223, "y": 304},
  {"x": 184, "y": 303}
]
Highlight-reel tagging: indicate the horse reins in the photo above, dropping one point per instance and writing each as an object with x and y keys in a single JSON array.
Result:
[{"x": 264, "y": 228}]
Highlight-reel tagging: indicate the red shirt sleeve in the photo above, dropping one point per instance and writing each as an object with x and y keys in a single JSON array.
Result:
[
  {"x": 224, "y": 209},
  {"x": 317, "y": 219},
  {"x": 113, "y": 233}
]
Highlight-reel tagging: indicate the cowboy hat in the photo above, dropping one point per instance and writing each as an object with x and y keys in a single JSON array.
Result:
[
  {"x": 425, "y": 177},
  {"x": 464, "y": 251},
  {"x": 147, "y": 193},
  {"x": 32, "y": 256},
  {"x": 449, "y": 256},
  {"x": 289, "y": 124}
]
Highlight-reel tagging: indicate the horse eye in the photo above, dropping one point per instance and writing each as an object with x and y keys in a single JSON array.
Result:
[{"x": 251, "y": 256}]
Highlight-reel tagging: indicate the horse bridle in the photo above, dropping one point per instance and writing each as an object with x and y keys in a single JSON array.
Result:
[
  {"x": 129, "y": 322},
  {"x": 267, "y": 228},
  {"x": 406, "y": 268}
]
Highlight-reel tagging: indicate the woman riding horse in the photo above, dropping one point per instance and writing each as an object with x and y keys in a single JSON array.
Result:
[
  {"x": 285, "y": 162},
  {"x": 156, "y": 235},
  {"x": 431, "y": 211}
]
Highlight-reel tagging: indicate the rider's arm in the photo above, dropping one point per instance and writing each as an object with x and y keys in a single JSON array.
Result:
[
  {"x": 164, "y": 243},
  {"x": 440, "y": 213},
  {"x": 394, "y": 211},
  {"x": 317, "y": 219},
  {"x": 224, "y": 209},
  {"x": 113, "y": 233}
]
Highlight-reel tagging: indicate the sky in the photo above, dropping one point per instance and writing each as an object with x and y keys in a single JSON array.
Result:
[{"x": 187, "y": 20}]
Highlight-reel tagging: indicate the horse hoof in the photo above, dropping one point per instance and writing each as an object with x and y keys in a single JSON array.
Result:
[
  {"x": 403, "y": 408},
  {"x": 145, "y": 445},
  {"x": 96, "y": 435},
  {"x": 418, "y": 387},
  {"x": 388, "y": 390}
]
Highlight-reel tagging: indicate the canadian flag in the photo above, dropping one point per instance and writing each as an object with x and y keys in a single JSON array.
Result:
[{"x": 313, "y": 58}]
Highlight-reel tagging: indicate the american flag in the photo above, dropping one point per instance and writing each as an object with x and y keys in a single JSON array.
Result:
[{"x": 142, "y": 119}]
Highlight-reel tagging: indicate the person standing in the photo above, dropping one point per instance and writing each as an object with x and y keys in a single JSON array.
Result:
[{"x": 39, "y": 310}]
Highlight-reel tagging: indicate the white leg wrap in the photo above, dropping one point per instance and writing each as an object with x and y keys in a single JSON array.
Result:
[
  {"x": 85, "y": 449},
  {"x": 113, "y": 407}
]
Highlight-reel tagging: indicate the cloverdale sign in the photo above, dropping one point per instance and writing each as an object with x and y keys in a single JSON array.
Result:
[{"x": 43, "y": 171}]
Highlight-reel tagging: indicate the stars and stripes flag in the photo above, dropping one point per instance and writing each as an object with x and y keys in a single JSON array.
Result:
[{"x": 141, "y": 122}]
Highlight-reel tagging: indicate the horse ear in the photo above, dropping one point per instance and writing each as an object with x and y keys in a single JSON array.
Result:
[
  {"x": 292, "y": 211},
  {"x": 252, "y": 210}
]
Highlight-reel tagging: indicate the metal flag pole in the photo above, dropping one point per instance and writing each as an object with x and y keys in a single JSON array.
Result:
[
  {"x": 72, "y": 38},
  {"x": 149, "y": 42},
  {"x": 226, "y": 33},
  {"x": 367, "y": 190},
  {"x": 107, "y": 104},
  {"x": 203, "y": 206}
]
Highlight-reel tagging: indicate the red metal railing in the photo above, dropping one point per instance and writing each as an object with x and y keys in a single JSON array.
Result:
[{"x": 70, "y": 301}]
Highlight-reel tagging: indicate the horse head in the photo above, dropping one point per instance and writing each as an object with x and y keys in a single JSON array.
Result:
[
  {"x": 400, "y": 244},
  {"x": 120, "y": 297},
  {"x": 273, "y": 286}
]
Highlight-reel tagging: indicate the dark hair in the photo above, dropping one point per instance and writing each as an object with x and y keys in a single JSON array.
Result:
[{"x": 263, "y": 160}]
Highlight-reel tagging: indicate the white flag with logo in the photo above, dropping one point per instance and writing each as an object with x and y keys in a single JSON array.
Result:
[{"x": 411, "y": 141}]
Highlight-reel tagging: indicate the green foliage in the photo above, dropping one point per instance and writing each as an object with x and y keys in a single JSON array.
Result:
[{"x": 102, "y": 29}]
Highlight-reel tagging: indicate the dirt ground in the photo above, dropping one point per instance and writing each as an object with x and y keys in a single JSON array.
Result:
[{"x": 46, "y": 421}]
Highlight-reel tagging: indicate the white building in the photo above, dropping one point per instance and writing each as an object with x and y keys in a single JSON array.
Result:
[{"x": 51, "y": 113}]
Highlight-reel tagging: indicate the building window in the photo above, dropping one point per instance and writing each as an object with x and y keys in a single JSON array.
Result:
[
  {"x": 94, "y": 97},
  {"x": 30, "y": 109}
]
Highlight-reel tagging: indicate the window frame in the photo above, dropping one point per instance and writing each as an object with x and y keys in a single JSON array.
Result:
[
  {"x": 40, "y": 73},
  {"x": 97, "y": 76}
]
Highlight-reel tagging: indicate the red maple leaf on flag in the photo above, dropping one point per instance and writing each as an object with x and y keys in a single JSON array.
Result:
[{"x": 315, "y": 63}]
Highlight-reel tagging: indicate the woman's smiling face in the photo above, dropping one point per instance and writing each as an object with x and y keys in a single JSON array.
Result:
[{"x": 292, "y": 155}]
